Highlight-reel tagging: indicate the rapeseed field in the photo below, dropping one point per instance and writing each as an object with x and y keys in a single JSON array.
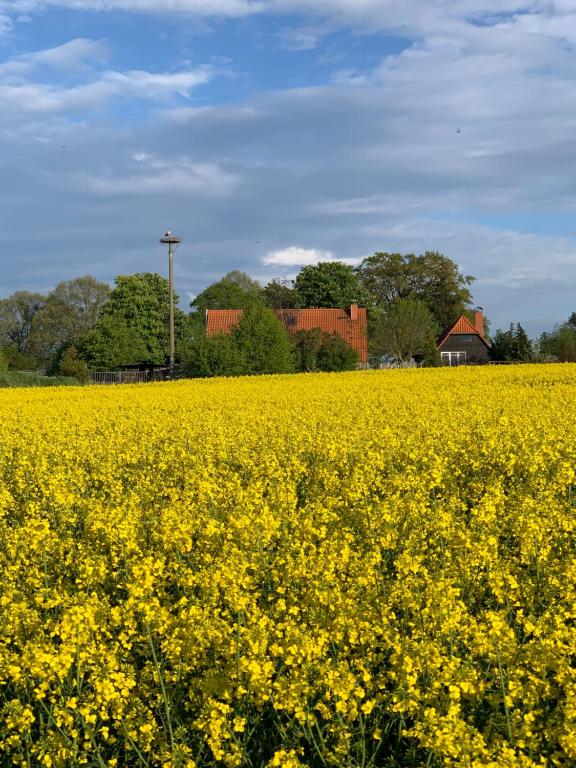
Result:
[{"x": 365, "y": 569}]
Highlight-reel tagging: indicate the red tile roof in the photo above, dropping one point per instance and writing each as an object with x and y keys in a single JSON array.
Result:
[
  {"x": 462, "y": 326},
  {"x": 340, "y": 321}
]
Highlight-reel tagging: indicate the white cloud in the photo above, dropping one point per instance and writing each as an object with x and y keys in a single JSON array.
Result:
[
  {"x": 25, "y": 96},
  {"x": 302, "y": 38},
  {"x": 296, "y": 256},
  {"x": 150, "y": 175},
  {"x": 224, "y": 8},
  {"x": 406, "y": 16},
  {"x": 72, "y": 55}
]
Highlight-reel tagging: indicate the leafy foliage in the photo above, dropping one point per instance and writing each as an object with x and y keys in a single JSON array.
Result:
[
  {"x": 328, "y": 284},
  {"x": 236, "y": 290},
  {"x": 280, "y": 294},
  {"x": 133, "y": 324},
  {"x": 113, "y": 343},
  {"x": 431, "y": 278},
  {"x": 71, "y": 311},
  {"x": 315, "y": 350},
  {"x": 17, "y": 314},
  {"x": 406, "y": 329},
  {"x": 335, "y": 354},
  {"x": 512, "y": 345},
  {"x": 262, "y": 342},
  {"x": 72, "y": 365},
  {"x": 259, "y": 344},
  {"x": 307, "y": 345},
  {"x": 560, "y": 344},
  {"x": 18, "y": 361},
  {"x": 218, "y": 355}
]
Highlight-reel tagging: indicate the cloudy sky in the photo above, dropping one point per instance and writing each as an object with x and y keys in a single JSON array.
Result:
[{"x": 275, "y": 133}]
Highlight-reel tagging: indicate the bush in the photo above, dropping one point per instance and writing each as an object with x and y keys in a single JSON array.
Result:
[
  {"x": 263, "y": 344},
  {"x": 3, "y": 362},
  {"x": 215, "y": 356},
  {"x": 72, "y": 365},
  {"x": 335, "y": 354},
  {"x": 18, "y": 361},
  {"x": 317, "y": 351},
  {"x": 306, "y": 348}
]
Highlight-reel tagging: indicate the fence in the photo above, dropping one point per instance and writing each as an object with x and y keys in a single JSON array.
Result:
[{"x": 133, "y": 377}]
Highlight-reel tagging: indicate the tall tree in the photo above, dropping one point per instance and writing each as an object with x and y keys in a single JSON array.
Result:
[
  {"x": 431, "y": 278},
  {"x": 134, "y": 321},
  {"x": 243, "y": 281},
  {"x": 17, "y": 314},
  {"x": 329, "y": 284},
  {"x": 71, "y": 310},
  {"x": 406, "y": 329},
  {"x": 222, "y": 295},
  {"x": 113, "y": 343},
  {"x": 262, "y": 341},
  {"x": 280, "y": 294},
  {"x": 559, "y": 344},
  {"x": 512, "y": 345}
]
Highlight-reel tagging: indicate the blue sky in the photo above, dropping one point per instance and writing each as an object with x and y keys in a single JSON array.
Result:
[{"x": 275, "y": 133}]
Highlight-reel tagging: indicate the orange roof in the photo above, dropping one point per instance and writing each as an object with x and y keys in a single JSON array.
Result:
[
  {"x": 462, "y": 326},
  {"x": 340, "y": 321}
]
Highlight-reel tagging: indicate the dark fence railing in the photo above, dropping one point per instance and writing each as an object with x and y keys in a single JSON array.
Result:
[{"x": 133, "y": 377}]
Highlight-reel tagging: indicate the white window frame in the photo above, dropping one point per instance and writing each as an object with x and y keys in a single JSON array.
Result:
[{"x": 453, "y": 358}]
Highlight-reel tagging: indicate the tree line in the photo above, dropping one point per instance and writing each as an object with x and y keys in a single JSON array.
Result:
[{"x": 84, "y": 324}]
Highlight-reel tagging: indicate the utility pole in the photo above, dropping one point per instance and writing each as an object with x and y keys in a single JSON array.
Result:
[{"x": 172, "y": 242}]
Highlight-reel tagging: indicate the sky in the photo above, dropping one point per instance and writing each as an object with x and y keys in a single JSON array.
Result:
[{"x": 270, "y": 134}]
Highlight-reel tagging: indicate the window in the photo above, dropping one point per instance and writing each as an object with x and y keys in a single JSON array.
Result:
[
  {"x": 453, "y": 358},
  {"x": 466, "y": 338}
]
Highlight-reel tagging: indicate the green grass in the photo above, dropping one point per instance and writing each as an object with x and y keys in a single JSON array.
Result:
[{"x": 33, "y": 379}]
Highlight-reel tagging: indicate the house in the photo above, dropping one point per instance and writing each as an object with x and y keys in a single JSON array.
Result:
[
  {"x": 351, "y": 323},
  {"x": 464, "y": 342}
]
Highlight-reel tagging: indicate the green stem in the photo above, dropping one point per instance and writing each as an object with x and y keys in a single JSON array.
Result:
[{"x": 162, "y": 688}]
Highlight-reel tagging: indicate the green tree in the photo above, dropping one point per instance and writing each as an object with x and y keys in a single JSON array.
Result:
[
  {"x": 218, "y": 355},
  {"x": 71, "y": 310},
  {"x": 335, "y": 354},
  {"x": 236, "y": 290},
  {"x": 72, "y": 365},
  {"x": 18, "y": 361},
  {"x": 406, "y": 329},
  {"x": 17, "y": 314},
  {"x": 133, "y": 324},
  {"x": 559, "y": 344},
  {"x": 512, "y": 345},
  {"x": 243, "y": 281},
  {"x": 111, "y": 344},
  {"x": 315, "y": 350},
  {"x": 280, "y": 294},
  {"x": 3, "y": 362},
  {"x": 263, "y": 344},
  {"x": 431, "y": 278},
  {"x": 329, "y": 284},
  {"x": 307, "y": 345}
]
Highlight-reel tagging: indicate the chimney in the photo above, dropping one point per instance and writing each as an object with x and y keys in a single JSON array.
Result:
[
  {"x": 479, "y": 321},
  {"x": 353, "y": 311}
]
